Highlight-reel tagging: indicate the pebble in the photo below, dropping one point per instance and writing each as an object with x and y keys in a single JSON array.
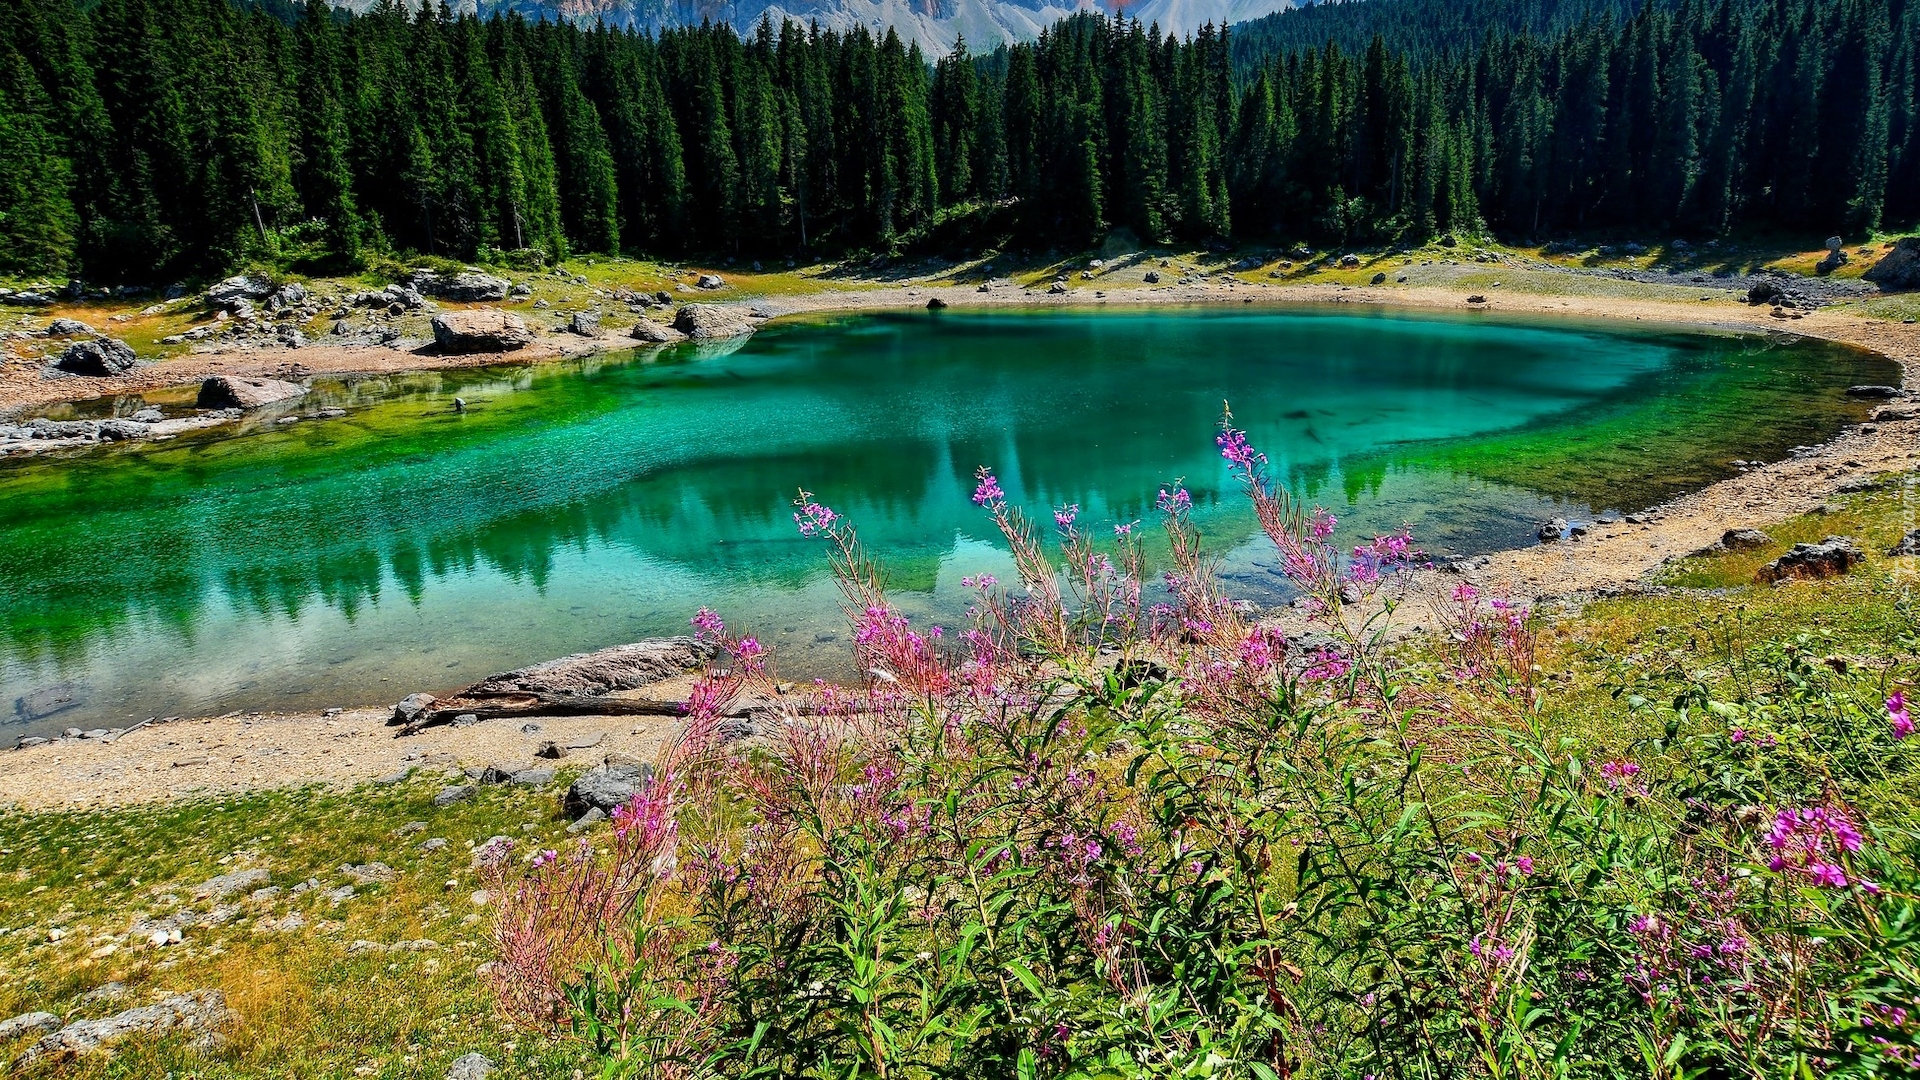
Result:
[
  {"x": 474, "y": 1066},
  {"x": 433, "y": 843}
]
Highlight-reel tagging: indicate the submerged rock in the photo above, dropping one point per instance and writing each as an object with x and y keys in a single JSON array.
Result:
[
  {"x": 235, "y": 392},
  {"x": 480, "y": 330},
  {"x": 1831, "y": 557}
]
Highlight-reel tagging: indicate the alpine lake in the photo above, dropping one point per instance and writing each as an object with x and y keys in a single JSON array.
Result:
[{"x": 575, "y": 505}]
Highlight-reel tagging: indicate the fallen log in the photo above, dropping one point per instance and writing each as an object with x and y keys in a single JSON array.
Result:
[{"x": 527, "y": 705}]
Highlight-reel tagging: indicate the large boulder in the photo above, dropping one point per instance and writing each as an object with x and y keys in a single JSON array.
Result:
[
  {"x": 239, "y": 287},
  {"x": 99, "y": 357},
  {"x": 470, "y": 286},
  {"x": 1898, "y": 269},
  {"x": 235, "y": 392},
  {"x": 655, "y": 333},
  {"x": 1831, "y": 557},
  {"x": 604, "y": 788},
  {"x": 622, "y": 667},
  {"x": 480, "y": 330},
  {"x": 703, "y": 322},
  {"x": 68, "y": 328}
]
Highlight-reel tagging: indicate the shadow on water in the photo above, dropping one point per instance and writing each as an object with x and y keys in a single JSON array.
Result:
[{"x": 579, "y": 504}]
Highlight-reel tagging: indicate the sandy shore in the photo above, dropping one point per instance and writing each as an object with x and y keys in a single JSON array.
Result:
[{"x": 232, "y": 753}]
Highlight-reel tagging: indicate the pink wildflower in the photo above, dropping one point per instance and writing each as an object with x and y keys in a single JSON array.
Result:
[
  {"x": 1064, "y": 516},
  {"x": 1811, "y": 841},
  {"x": 1897, "y": 713},
  {"x": 1176, "y": 501},
  {"x": 987, "y": 492},
  {"x": 708, "y": 625}
]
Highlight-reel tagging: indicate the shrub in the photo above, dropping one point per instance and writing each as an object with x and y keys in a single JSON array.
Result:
[{"x": 1093, "y": 836}]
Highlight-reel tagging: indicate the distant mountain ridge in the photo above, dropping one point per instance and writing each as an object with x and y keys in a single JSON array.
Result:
[{"x": 934, "y": 24}]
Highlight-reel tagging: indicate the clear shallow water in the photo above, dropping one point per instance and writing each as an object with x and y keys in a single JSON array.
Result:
[{"x": 583, "y": 504}]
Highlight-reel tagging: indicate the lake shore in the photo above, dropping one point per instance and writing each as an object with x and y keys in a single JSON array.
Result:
[{"x": 208, "y": 756}]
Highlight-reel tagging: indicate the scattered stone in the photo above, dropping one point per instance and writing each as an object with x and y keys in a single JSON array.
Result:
[
  {"x": 1153, "y": 277},
  {"x": 936, "y": 304},
  {"x": 432, "y": 844},
  {"x": 219, "y": 888},
  {"x": 457, "y": 793},
  {"x": 1831, "y": 557},
  {"x": 465, "y": 719},
  {"x": 605, "y": 788},
  {"x": 533, "y": 777},
  {"x": 1349, "y": 262},
  {"x": 1058, "y": 288},
  {"x": 340, "y": 895},
  {"x": 1476, "y": 298},
  {"x": 704, "y": 322},
  {"x": 622, "y": 667},
  {"x": 98, "y": 358},
  {"x": 235, "y": 392},
  {"x": 368, "y": 873},
  {"x": 200, "y": 1013},
  {"x": 587, "y": 821},
  {"x": 399, "y": 777},
  {"x": 584, "y": 323},
  {"x": 710, "y": 281},
  {"x": 410, "y": 707},
  {"x": 586, "y": 742},
  {"x": 1908, "y": 545},
  {"x": 238, "y": 288},
  {"x": 1745, "y": 540},
  {"x": 655, "y": 333},
  {"x": 1551, "y": 530},
  {"x": 148, "y": 416},
  {"x": 1380, "y": 278},
  {"x": 480, "y": 330},
  {"x": 550, "y": 750},
  {"x": 66, "y": 328}
]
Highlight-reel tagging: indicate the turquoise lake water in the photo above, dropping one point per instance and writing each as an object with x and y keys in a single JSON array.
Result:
[{"x": 576, "y": 505}]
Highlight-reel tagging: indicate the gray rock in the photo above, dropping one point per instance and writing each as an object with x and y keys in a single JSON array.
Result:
[
  {"x": 1745, "y": 540},
  {"x": 200, "y": 1013},
  {"x": 148, "y": 416},
  {"x": 290, "y": 295},
  {"x": 622, "y": 667},
  {"x": 1873, "y": 391},
  {"x": 1349, "y": 261},
  {"x": 605, "y": 788},
  {"x": 1899, "y": 268},
  {"x": 1551, "y": 529},
  {"x": 410, "y": 707},
  {"x": 587, "y": 821},
  {"x": 1908, "y": 545},
  {"x": 235, "y": 392},
  {"x": 649, "y": 331},
  {"x": 99, "y": 357},
  {"x": 520, "y": 292},
  {"x": 1831, "y": 557},
  {"x": 584, "y": 323},
  {"x": 1152, "y": 278},
  {"x": 433, "y": 843},
  {"x": 470, "y": 1067},
  {"x": 239, "y": 287},
  {"x": 33, "y": 1023},
  {"x": 533, "y": 777},
  {"x": 219, "y": 888},
  {"x": 550, "y": 750},
  {"x": 28, "y": 298},
  {"x": 122, "y": 430},
  {"x": 703, "y": 322},
  {"x": 710, "y": 281},
  {"x": 457, "y": 793},
  {"x": 65, "y": 328},
  {"x": 480, "y": 330},
  {"x": 470, "y": 286},
  {"x": 1058, "y": 288},
  {"x": 367, "y": 873},
  {"x": 399, "y": 777},
  {"x": 340, "y": 895}
]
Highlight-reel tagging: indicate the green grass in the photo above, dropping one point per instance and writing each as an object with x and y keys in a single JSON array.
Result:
[{"x": 307, "y": 1006}]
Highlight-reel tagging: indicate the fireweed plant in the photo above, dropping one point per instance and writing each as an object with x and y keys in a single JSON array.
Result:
[{"x": 1091, "y": 838}]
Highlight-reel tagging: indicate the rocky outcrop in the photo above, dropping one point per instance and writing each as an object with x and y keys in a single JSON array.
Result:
[
  {"x": 622, "y": 667},
  {"x": 1831, "y": 557},
  {"x": 98, "y": 358},
  {"x": 235, "y": 392},
  {"x": 1897, "y": 269},
  {"x": 199, "y": 1013},
  {"x": 655, "y": 333},
  {"x": 467, "y": 287},
  {"x": 480, "y": 330},
  {"x": 704, "y": 322}
]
